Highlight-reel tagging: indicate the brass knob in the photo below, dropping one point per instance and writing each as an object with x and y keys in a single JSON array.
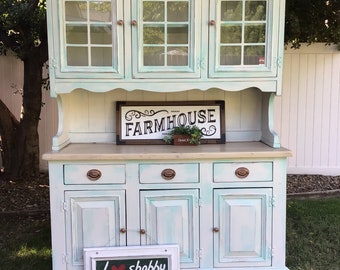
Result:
[
  {"x": 212, "y": 22},
  {"x": 123, "y": 230},
  {"x": 134, "y": 23},
  {"x": 94, "y": 174},
  {"x": 142, "y": 231},
  {"x": 216, "y": 229},
  {"x": 168, "y": 174},
  {"x": 120, "y": 22},
  {"x": 242, "y": 172}
]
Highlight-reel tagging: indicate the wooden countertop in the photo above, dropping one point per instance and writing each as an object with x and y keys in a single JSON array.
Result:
[{"x": 107, "y": 151}]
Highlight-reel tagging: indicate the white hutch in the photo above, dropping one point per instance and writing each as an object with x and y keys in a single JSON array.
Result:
[{"x": 223, "y": 204}]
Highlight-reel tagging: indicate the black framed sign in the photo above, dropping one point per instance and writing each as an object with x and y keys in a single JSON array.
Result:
[
  {"x": 149, "y": 122},
  {"x": 160, "y": 257}
]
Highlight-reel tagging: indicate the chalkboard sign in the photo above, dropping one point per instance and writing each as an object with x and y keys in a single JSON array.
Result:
[{"x": 164, "y": 257}]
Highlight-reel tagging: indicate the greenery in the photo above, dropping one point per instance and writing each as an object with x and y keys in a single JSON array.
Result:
[{"x": 195, "y": 134}]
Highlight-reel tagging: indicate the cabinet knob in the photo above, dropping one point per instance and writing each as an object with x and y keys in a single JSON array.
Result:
[
  {"x": 242, "y": 172},
  {"x": 168, "y": 174},
  {"x": 120, "y": 22},
  {"x": 123, "y": 230},
  {"x": 142, "y": 231},
  {"x": 134, "y": 23},
  {"x": 94, "y": 174},
  {"x": 216, "y": 229},
  {"x": 212, "y": 22}
]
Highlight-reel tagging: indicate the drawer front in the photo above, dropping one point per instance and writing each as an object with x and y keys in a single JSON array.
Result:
[
  {"x": 169, "y": 173},
  {"x": 248, "y": 171},
  {"x": 94, "y": 174}
]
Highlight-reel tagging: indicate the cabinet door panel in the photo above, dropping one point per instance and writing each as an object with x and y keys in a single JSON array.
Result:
[
  {"x": 171, "y": 217},
  {"x": 93, "y": 219},
  {"x": 243, "y": 217}
]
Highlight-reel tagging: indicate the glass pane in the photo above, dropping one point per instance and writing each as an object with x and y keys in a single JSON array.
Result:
[
  {"x": 255, "y": 33},
  {"x": 101, "y": 34},
  {"x": 154, "y": 56},
  {"x": 100, "y": 11},
  {"x": 178, "y": 35},
  {"x": 153, "y": 11},
  {"x": 177, "y": 56},
  {"x": 76, "y": 34},
  {"x": 75, "y": 11},
  {"x": 101, "y": 56},
  {"x": 230, "y": 55},
  {"x": 254, "y": 55},
  {"x": 178, "y": 11},
  {"x": 153, "y": 35},
  {"x": 231, "y": 10},
  {"x": 255, "y": 11},
  {"x": 231, "y": 33},
  {"x": 77, "y": 56}
]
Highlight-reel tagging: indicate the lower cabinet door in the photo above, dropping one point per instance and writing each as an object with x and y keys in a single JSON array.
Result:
[
  {"x": 242, "y": 226},
  {"x": 93, "y": 219},
  {"x": 172, "y": 217}
]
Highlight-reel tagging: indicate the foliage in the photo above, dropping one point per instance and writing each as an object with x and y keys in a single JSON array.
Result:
[
  {"x": 194, "y": 131},
  {"x": 312, "y": 21}
]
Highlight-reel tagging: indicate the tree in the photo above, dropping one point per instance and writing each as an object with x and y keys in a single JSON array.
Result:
[{"x": 23, "y": 31}]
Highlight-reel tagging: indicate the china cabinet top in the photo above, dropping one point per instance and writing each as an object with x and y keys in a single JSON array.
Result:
[{"x": 165, "y": 45}]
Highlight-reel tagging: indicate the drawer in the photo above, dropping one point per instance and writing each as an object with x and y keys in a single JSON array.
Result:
[
  {"x": 248, "y": 171},
  {"x": 169, "y": 173},
  {"x": 91, "y": 174}
]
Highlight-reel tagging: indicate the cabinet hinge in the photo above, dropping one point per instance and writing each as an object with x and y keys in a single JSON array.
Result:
[
  {"x": 63, "y": 206},
  {"x": 272, "y": 202},
  {"x": 199, "y": 253},
  {"x": 270, "y": 253},
  {"x": 199, "y": 202},
  {"x": 279, "y": 62},
  {"x": 64, "y": 259}
]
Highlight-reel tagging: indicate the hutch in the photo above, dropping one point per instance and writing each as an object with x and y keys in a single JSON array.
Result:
[{"x": 223, "y": 204}]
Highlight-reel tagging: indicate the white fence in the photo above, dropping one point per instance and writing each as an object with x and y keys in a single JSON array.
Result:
[{"x": 307, "y": 115}]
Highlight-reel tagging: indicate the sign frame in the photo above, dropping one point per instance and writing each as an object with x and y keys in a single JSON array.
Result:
[
  {"x": 108, "y": 258},
  {"x": 128, "y": 113}
]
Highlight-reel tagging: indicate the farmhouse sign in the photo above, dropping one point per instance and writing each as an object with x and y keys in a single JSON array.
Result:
[
  {"x": 163, "y": 257},
  {"x": 149, "y": 122}
]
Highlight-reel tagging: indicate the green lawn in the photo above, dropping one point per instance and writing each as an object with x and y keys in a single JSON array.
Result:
[{"x": 313, "y": 238}]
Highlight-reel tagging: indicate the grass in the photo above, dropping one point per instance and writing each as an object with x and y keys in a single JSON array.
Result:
[{"x": 313, "y": 238}]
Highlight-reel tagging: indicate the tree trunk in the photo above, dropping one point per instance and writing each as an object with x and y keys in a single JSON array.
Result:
[{"x": 25, "y": 158}]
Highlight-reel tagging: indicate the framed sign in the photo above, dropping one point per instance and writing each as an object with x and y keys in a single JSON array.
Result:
[
  {"x": 149, "y": 122},
  {"x": 163, "y": 257}
]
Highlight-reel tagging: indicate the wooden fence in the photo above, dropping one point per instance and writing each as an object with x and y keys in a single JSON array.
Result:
[{"x": 307, "y": 115}]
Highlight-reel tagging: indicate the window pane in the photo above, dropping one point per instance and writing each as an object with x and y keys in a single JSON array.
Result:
[
  {"x": 153, "y": 11},
  {"x": 254, "y": 33},
  {"x": 178, "y": 35},
  {"x": 154, "y": 56},
  {"x": 100, "y": 11},
  {"x": 76, "y": 34},
  {"x": 231, "y": 10},
  {"x": 178, "y": 11},
  {"x": 254, "y": 55},
  {"x": 101, "y": 34},
  {"x": 75, "y": 11},
  {"x": 177, "y": 56},
  {"x": 101, "y": 56},
  {"x": 77, "y": 56},
  {"x": 255, "y": 11},
  {"x": 231, "y": 33},
  {"x": 153, "y": 35},
  {"x": 230, "y": 55}
]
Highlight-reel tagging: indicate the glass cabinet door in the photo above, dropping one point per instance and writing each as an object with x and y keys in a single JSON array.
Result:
[
  {"x": 165, "y": 38},
  {"x": 242, "y": 38},
  {"x": 92, "y": 36}
]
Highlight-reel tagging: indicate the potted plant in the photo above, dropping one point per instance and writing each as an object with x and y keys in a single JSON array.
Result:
[{"x": 184, "y": 135}]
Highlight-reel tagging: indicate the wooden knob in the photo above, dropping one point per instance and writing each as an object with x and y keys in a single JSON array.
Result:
[
  {"x": 94, "y": 174},
  {"x": 242, "y": 172},
  {"x": 216, "y": 229},
  {"x": 134, "y": 23},
  {"x": 120, "y": 22},
  {"x": 168, "y": 174},
  {"x": 123, "y": 230},
  {"x": 212, "y": 22},
  {"x": 142, "y": 231}
]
